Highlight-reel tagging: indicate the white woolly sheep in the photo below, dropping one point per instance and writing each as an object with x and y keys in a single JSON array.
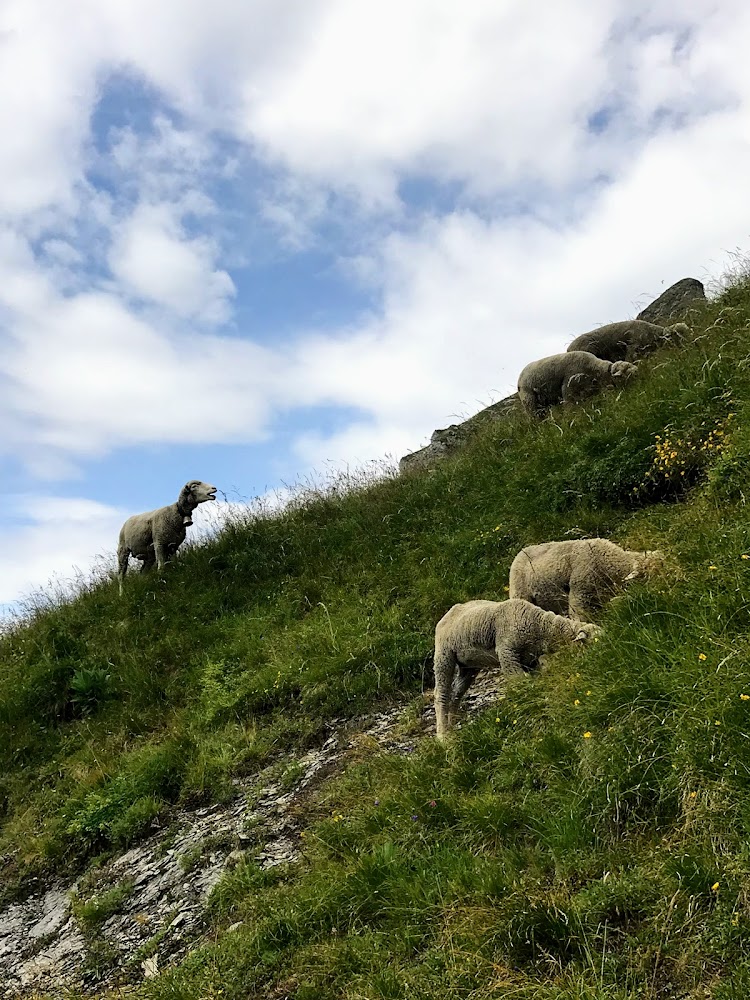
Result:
[
  {"x": 510, "y": 634},
  {"x": 566, "y": 378},
  {"x": 155, "y": 536},
  {"x": 628, "y": 340},
  {"x": 578, "y": 576}
]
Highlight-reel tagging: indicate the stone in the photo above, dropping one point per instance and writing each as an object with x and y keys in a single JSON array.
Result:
[
  {"x": 448, "y": 440},
  {"x": 150, "y": 967},
  {"x": 673, "y": 303},
  {"x": 42, "y": 949}
]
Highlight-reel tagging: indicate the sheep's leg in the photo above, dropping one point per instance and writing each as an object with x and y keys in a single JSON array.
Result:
[
  {"x": 122, "y": 565},
  {"x": 161, "y": 554},
  {"x": 552, "y": 597},
  {"x": 510, "y": 660},
  {"x": 466, "y": 677},
  {"x": 582, "y": 602},
  {"x": 149, "y": 561},
  {"x": 579, "y": 387},
  {"x": 445, "y": 668}
]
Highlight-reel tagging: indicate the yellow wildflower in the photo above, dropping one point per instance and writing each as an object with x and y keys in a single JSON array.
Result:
[
  {"x": 713, "y": 567},
  {"x": 587, "y": 735},
  {"x": 745, "y": 556},
  {"x": 745, "y": 697},
  {"x": 715, "y": 887},
  {"x": 576, "y": 702},
  {"x": 702, "y": 656}
]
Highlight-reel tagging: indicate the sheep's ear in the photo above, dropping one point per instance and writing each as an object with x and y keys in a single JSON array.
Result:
[{"x": 582, "y": 636}]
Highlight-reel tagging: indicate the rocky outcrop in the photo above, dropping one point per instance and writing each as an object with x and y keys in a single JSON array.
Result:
[
  {"x": 451, "y": 439},
  {"x": 163, "y": 885},
  {"x": 673, "y": 304}
]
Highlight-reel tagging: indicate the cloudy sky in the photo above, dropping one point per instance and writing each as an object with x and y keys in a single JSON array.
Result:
[{"x": 239, "y": 241}]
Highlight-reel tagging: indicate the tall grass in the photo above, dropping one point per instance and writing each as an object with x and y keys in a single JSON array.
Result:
[{"x": 586, "y": 838}]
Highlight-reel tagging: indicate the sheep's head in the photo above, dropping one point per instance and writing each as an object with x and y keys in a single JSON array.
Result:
[
  {"x": 676, "y": 333},
  {"x": 587, "y": 632},
  {"x": 646, "y": 563},
  {"x": 621, "y": 371},
  {"x": 196, "y": 492}
]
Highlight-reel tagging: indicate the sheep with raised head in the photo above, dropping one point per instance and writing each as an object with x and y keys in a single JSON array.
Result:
[
  {"x": 578, "y": 576},
  {"x": 628, "y": 340},
  {"x": 155, "y": 536},
  {"x": 568, "y": 378},
  {"x": 511, "y": 634}
]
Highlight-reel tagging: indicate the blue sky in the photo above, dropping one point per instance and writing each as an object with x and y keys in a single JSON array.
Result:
[{"x": 246, "y": 242}]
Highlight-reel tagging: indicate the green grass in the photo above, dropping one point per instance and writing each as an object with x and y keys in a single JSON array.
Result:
[
  {"x": 92, "y": 912},
  {"x": 526, "y": 859}
]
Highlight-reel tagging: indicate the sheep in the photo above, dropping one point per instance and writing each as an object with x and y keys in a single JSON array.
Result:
[
  {"x": 155, "y": 536},
  {"x": 578, "y": 576},
  {"x": 564, "y": 378},
  {"x": 628, "y": 340},
  {"x": 511, "y": 634}
]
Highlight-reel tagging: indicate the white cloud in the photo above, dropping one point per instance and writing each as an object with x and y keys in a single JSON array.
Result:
[
  {"x": 44, "y": 538},
  {"x": 47, "y": 51},
  {"x": 428, "y": 88},
  {"x": 89, "y": 376},
  {"x": 336, "y": 104},
  {"x": 154, "y": 259}
]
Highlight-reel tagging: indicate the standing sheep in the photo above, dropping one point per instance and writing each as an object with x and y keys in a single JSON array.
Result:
[
  {"x": 155, "y": 536},
  {"x": 578, "y": 576},
  {"x": 628, "y": 340},
  {"x": 510, "y": 634},
  {"x": 565, "y": 378}
]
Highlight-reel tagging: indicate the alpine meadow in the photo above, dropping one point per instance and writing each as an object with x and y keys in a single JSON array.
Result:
[{"x": 585, "y": 837}]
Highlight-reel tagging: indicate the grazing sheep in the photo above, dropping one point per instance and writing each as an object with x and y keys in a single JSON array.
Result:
[
  {"x": 566, "y": 378},
  {"x": 511, "y": 634},
  {"x": 155, "y": 536},
  {"x": 578, "y": 576},
  {"x": 629, "y": 340}
]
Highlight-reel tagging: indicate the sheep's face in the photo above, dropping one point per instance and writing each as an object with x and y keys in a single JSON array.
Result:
[
  {"x": 676, "y": 333},
  {"x": 587, "y": 632},
  {"x": 646, "y": 563},
  {"x": 200, "y": 492},
  {"x": 621, "y": 371}
]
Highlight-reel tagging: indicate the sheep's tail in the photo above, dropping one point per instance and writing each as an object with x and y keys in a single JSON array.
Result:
[{"x": 445, "y": 668}]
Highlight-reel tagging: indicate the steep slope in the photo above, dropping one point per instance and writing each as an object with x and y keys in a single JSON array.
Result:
[{"x": 584, "y": 838}]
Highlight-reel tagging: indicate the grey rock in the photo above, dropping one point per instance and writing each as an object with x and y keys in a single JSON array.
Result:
[
  {"x": 42, "y": 948},
  {"x": 674, "y": 302},
  {"x": 449, "y": 440}
]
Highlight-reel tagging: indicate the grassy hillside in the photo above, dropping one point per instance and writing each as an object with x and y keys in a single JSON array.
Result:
[{"x": 587, "y": 838}]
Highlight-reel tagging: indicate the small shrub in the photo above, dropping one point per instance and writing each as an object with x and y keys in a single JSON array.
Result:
[
  {"x": 89, "y": 688},
  {"x": 91, "y": 913}
]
